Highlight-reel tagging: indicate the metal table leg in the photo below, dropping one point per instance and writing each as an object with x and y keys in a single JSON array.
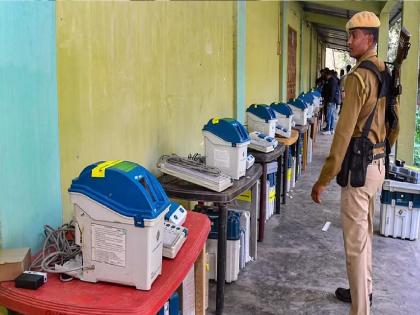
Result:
[
  {"x": 278, "y": 183},
  {"x": 297, "y": 158},
  {"x": 285, "y": 169},
  {"x": 221, "y": 259},
  {"x": 255, "y": 202},
  {"x": 305, "y": 150},
  {"x": 263, "y": 203}
]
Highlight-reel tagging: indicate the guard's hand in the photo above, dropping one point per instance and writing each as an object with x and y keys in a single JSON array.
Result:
[{"x": 317, "y": 190}]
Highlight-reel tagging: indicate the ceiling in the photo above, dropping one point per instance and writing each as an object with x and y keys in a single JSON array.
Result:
[{"x": 330, "y": 17}]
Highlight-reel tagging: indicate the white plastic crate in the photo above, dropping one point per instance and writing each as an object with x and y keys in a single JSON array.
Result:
[
  {"x": 272, "y": 169},
  {"x": 289, "y": 174},
  {"x": 293, "y": 177},
  {"x": 255, "y": 123},
  {"x": 271, "y": 201},
  {"x": 310, "y": 148},
  {"x": 285, "y": 122},
  {"x": 245, "y": 221},
  {"x": 244, "y": 202},
  {"x": 300, "y": 116},
  {"x": 284, "y": 116},
  {"x": 400, "y": 207},
  {"x": 127, "y": 247},
  {"x": 311, "y": 109},
  {"x": 317, "y": 101},
  {"x": 232, "y": 259},
  {"x": 231, "y": 160}
]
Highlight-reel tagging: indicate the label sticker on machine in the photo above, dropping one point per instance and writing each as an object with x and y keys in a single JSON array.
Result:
[
  {"x": 125, "y": 166},
  {"x": 221, "y": 157},
  {"x": 246, "y": 196},
  {"x": 272, "y": 195},
  {"x": 99, "y": 170},
  {"x": 108, "y": 244}
]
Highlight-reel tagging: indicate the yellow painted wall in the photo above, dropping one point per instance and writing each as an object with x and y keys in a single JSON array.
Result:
[
  {"x": 293, "y": 20},
  {"x": 140, "y": 79},
  {"x": 262, "y": 60}
]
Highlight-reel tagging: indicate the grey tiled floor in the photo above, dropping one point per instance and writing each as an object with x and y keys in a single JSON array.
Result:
[{"x": 299, "y": 266}]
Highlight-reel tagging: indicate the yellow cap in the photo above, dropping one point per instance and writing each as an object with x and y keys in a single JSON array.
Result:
[{"x": 362, "y": 20}]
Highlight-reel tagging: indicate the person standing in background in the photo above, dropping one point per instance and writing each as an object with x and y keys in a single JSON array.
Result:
[
  {"x": 330, "y": 101},
  {"x": 343, "y": 81}
]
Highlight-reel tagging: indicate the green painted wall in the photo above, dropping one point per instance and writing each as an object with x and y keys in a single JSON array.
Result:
[
  {"x": 140, "y": 79},
  {"x": 305, "y": 70},
  {"x": 319, "y": 55},
  {"x": 262, "y": 59},
  {"x": 313, "y": 55},
  {"x": 409, "y": 75},
  {"x": 29, "y": 163}
]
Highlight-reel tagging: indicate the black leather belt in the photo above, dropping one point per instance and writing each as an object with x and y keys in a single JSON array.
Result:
[
  {"x": 379, "y": 156},
  {"x": 379, "y": 145}
]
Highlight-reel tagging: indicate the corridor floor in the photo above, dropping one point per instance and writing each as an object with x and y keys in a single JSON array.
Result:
[{"x": 299, "y": 266}]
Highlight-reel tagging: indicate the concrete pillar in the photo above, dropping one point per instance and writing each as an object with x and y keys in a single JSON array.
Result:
[
  {"x": 303, "y": 63},
  {"x": 409, "y": 75},
  {"x": 283, "y": 62},
  {"x": 384, "y": 29},
  {"x": 240, "y": 60},
  {"x": 383, "y": 36},
  {"x": 310, "y": 59}
]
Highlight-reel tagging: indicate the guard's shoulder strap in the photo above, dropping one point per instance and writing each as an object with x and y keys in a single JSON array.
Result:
[
  {"x": 367, "y": 64},
  {"x": 361, "y": 81},
  {"x": 382, "y": 76},
  {"x": 359, "y": 77}
]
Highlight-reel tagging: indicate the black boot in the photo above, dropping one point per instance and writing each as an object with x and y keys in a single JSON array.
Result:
[{"x": 345, "y": 296}]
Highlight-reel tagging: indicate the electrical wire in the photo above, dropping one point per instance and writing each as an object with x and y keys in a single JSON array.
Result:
[
  {"x": 192, "y": 163},
  {"x": 197, "y": 157},
  {"x": 59, "y": 247}
]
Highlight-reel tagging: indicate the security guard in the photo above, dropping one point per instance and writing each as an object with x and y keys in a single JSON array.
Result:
[{"x": 357, "y": 203}]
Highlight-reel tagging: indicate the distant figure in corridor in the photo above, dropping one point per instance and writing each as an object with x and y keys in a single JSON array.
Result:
[
  {"x": 343, "y": 81},
  {"x": 361, "y": 125},
  {"x": 331, "y": 99}
]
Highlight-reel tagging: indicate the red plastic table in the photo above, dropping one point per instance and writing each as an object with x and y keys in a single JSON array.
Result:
[{"x": 78, "y": 297}]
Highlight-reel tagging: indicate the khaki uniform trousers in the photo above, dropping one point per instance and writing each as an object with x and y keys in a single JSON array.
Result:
[{"x": 357, "y": 210}]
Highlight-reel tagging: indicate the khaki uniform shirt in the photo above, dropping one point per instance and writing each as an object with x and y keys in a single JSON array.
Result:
[
  {"x": 342, "y": 82},
  {"x": 361, "y": 89}
]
